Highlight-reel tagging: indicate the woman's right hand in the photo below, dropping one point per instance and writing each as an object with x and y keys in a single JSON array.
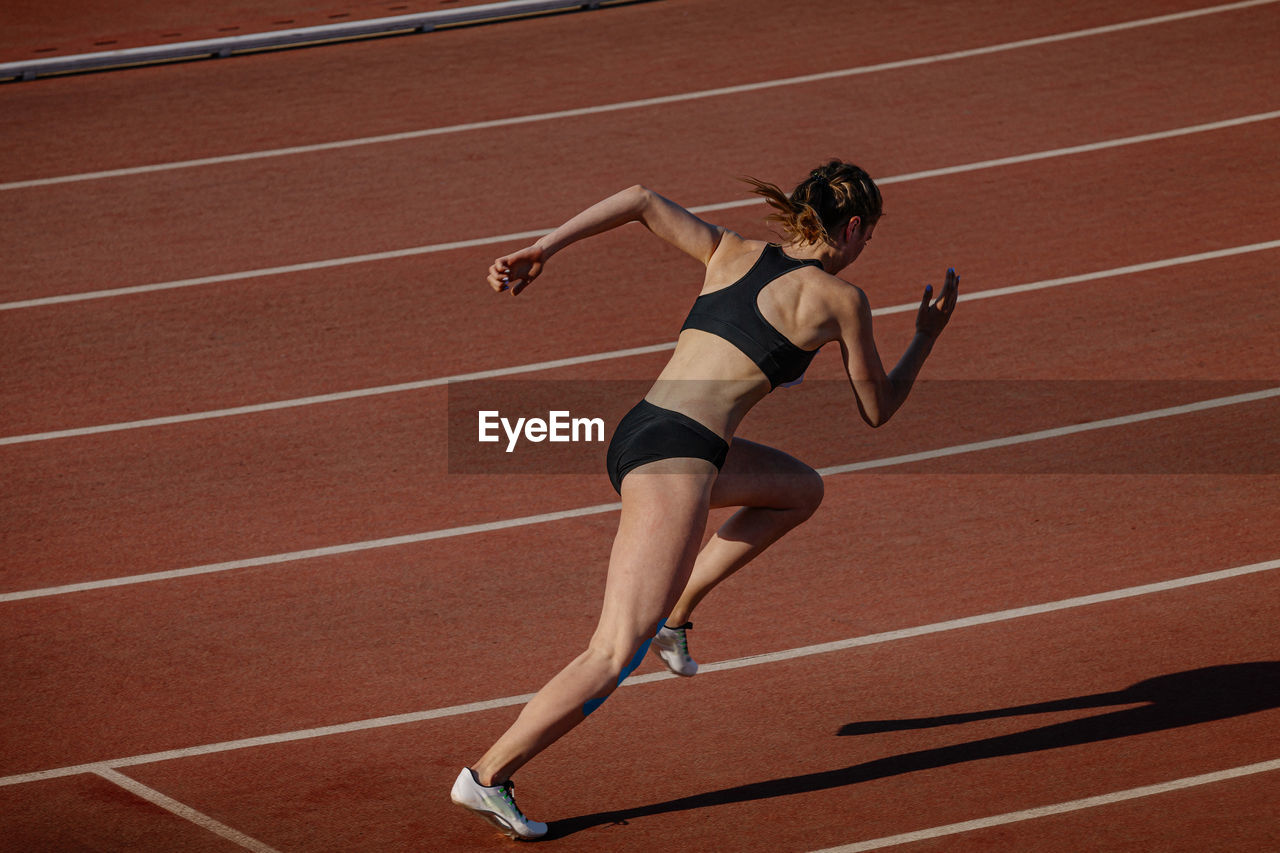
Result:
[
  {"x": 932, "y": 317},
  {"x": 517, "y": 271}
]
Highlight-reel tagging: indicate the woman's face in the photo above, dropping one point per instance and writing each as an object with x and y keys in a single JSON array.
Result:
[{"x": 859, "y": 237}]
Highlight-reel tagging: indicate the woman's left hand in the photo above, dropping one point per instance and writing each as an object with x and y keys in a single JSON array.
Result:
[
  {"x": 933, "y": 315},
  {"x": 518, "y": 270}
]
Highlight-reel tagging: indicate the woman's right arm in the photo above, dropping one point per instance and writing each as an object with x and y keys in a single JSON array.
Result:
[
  {"x": 880, "y": 394},
  {"x": 665, "y": 218}
]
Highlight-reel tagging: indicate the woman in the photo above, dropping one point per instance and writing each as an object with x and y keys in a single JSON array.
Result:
[{"x": 765, "y": 309}]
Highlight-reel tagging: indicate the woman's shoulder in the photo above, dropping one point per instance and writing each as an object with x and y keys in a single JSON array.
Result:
[
  {"x": 733, "y": 246},
  {"x": 732, "y": 257},
  {"x": 843, "y": 302}
]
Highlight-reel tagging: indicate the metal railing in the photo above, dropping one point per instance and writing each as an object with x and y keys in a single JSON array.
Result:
[{"x": 231, "y": 45}]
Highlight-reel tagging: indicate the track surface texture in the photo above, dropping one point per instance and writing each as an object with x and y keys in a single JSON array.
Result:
[{"x": 262, "y": 589}]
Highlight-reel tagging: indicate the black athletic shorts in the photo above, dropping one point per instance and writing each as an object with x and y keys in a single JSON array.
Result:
[{"x": 648, "y": 433}]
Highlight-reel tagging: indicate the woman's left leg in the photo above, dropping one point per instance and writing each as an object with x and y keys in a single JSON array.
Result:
[{"x": 663, "y": 517}]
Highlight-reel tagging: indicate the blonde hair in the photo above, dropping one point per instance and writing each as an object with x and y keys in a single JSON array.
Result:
[{"x": 824, "y": 202}]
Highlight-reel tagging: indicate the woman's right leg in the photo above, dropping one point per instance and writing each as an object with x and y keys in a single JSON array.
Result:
[
  {"x": 663, "y": 518},
  {"x": 776, "y": 491}
]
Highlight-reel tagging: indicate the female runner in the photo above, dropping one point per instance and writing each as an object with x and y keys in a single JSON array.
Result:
[{"x": 764, "y": 311}]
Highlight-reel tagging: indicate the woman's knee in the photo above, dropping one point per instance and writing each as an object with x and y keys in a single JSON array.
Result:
[
  {"x": 620, "y": 654},
  {"x": 808, "y": 492},
  {"x": 756, "y": 475},
  {"x": 620, "y": 660}
]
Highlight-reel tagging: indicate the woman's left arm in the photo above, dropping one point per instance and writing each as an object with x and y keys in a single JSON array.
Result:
[
  {"x": 878, "y": 394},
  {"x": 665, "y": 218}
]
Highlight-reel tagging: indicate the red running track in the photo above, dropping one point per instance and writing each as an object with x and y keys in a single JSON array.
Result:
[{"x": 986, "y": 713}]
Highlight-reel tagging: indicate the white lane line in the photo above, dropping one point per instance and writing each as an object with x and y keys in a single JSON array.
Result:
[
  {"x": 313, "y": 553},
  {"x": 1084, "y": 148},
  {"x": 182, "y": 810},
  {"x": 1057, "y": 808},
  {"x": 545, "y": 518},
  {"x": 648, "y": 678},
  {"x": 374, "y": 257},
  {"x": 987, "y": 618},
  {"x": 499, "y": 372},
  {"x": 640, "y": 103},
  {"x": 306, "y": 266},
  {"x": 1056, "y": 432},
  {"x": 342, "y": 395}
]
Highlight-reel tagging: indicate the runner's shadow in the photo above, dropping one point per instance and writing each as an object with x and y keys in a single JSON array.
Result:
[{"x": 1164, "y": 702}]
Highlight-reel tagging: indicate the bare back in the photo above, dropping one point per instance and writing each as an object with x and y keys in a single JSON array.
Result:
[{"x": 712, "y": 380}]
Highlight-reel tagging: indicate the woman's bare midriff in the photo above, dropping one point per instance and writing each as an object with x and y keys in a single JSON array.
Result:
[{"x": 711, "y": 381}]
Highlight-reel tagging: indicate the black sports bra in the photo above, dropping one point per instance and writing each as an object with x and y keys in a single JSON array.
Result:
[{"x": 734, "y": 314}]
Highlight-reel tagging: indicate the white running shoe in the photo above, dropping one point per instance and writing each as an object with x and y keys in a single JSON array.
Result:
[
  {"x": 672, "y": 646},
  {"x": 496, "y": 804}
]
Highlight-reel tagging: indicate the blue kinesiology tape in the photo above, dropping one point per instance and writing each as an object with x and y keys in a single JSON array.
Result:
[{"x": 591, "y": 704}]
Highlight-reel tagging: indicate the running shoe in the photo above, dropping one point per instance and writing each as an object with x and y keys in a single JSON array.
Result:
[
  {"x": 672, "y": 646},
  {"x": 496, "y": 804}
]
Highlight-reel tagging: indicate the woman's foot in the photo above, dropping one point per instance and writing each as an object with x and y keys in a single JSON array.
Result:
[
  {"x": 672, "y": 646},
  {"x": 496, "y": 804}
]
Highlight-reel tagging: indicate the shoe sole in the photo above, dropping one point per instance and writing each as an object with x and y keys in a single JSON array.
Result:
[{"x": 496, "y": 820}]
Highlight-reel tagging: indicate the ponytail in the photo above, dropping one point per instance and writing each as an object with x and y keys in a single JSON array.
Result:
[{"x": 821, "y": 204}]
